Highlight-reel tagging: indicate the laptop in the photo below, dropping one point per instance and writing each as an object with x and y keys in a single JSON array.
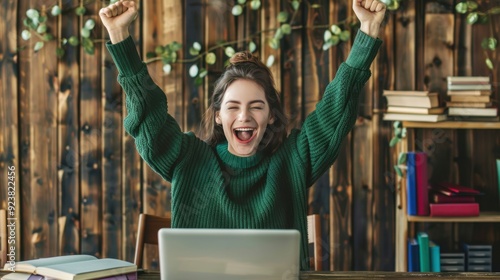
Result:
[{"x": 228, "y": 254}]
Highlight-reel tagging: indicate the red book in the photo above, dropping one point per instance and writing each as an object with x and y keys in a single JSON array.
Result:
[
  {"x": 441, "y": 198},
  {"x": 454, "y": 209},
  {"x": 422, "y": 184}
]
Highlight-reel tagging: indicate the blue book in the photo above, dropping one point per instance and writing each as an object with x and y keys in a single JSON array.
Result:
[
  {"x": 411, "y": 184},
  {"x": 413, "y": 258},
  {"x": 435, "y": 257},
  {"x": 423, "y": 246}
]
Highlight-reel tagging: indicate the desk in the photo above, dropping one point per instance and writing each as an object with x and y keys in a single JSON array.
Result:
[{"x": 313, "y": 275}]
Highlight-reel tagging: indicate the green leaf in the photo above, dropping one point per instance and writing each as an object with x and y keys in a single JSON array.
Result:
[
  {"x": 327, "y": 35},
  {"x": 270, "y": 61},
  {"x": 80, "y": 11},
  {"x": 279, "y": 34},
  {"x": 252, "y": 46},
  {"x": 48, "y": 37},
  {"x": 88, "y": 45},
  {"x": 472, "y": 5},
  {"x": 494, "y": 11},
  {"x": 397, "y": 124},
  {"x": 26, "y": 35},
  {"x": 492, "y": 43},
  {"x": 64, "y": 41},
  {"x": 489, "y": 63},
  {"x": 255, "y": 4},
  {"x": 334, "y": 40},
  {"x": 472, "y": 18},
  {"x": 345, "y": 35},
  {"x": 315, "y": 6},
  {"x": 167, "y": 68},
  {"x": 159, "y": 50},
  {"x": 38, "y": 46},
  {"x": 193, "y": 70},
  {"x": 398, "y": 171},
  {"x": 295, "y": 5},
  {"x": 335, "y": 29},
  {"x": 32, "y": 14},
  {"x": 461, "y": 8},
  {"x": 210, "y": 58},
  {"x": 402, "y": 158},
  {"x": 274, "y": 43},
  {"x": 193, "y": 51},
  {"x": 60, "y": 52},
  {"x": 84, "y": 32},
  {"x": 286, "y": 28},
  {"x": 203, "y": 73},
  {"x": 327, "y": 45},
  {"x": 42, "y": 19},
  {"x": 55, "y": 11},
  {"x": 394, "y": 141},
  {"x": 237, "y": 10},
  {"x": 229, "y": 51},
  {"x": 241, "y": 2},
  {"x": 73, "y": 40},
  {"x": 89, "y": 50},
  {"x": 198, "y": 81},
  {"x": 175, "y": 46},
  {"x": 89, "y": 24},
  {"x": 197, "y": 46},
  {"x": 150, "y": 54},
  {"x": 282, "y": 16}
]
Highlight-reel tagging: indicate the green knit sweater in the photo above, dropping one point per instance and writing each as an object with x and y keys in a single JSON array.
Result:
[{"x": 211, "y": 188}]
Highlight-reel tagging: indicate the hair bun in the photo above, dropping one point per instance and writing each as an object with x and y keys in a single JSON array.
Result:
[{"x": 244, "y": 56}]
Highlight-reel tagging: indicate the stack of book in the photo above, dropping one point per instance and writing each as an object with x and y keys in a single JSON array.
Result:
[
  {"x": 423, "y": 254},
  {"x": 452, "y": 200},
  {"x": 470, "y": 98},
  {"x": 413, "y": 105}
]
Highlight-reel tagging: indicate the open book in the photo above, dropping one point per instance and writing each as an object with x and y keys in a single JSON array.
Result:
[{"x": 74, "y": 267}]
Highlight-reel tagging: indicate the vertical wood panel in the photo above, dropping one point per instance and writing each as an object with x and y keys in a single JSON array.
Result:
[
  {"x": 41, "y": 137},
  {"x": 9, "y": 97},
  {"x": 112, "y": 104},
  {"x": 404, "y": 47},
  {"x": 131, "y": 167},
  {"x": 339, "y": 175},
  {"x": 383, "y": 74},
  {"x": 91, "y": 137},
  {"x": 68, "y": 144},
  {"x": 269, "y": 13}
]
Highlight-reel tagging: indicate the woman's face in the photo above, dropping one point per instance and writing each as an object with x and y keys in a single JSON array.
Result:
[{"x": 244, "y": 116}]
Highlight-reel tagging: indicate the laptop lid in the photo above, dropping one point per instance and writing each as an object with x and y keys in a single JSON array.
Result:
[{"x": 228, "y": 254}]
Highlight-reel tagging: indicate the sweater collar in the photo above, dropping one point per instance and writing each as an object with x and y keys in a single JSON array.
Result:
[{"x": 236, "y": 161}]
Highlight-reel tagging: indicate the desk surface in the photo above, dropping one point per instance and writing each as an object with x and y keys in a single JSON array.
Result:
[{"x": 312, "y": 275}]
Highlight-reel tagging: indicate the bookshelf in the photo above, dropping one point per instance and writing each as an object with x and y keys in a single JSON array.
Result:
[{"x": 405, "y": 224}]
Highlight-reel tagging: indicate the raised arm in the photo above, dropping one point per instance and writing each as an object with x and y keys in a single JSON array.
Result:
[{"x": 324, "y": 130}]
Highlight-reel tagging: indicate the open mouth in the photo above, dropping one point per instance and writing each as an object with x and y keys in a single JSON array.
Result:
[{"x": 244, "y": 134}]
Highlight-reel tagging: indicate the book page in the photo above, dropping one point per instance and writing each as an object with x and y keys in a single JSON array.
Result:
[
  {"x": 87, "y": 269},
  {"x": 31, "y": 265}
]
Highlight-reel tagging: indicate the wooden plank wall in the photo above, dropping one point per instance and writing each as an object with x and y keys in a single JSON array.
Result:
[{"x": 81, "y": 185}]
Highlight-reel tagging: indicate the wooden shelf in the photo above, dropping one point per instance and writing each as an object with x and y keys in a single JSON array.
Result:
[
  {"x": 452, "y": 125},
  {"x": 484, "y": 217}
]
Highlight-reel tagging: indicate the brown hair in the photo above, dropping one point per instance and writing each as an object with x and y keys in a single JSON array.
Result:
[{"x": 243, "y": 65}]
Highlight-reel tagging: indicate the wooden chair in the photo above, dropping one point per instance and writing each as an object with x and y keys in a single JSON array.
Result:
[
  {"x": 147, "y": 233},
  {"x": 314, "y": 241}
]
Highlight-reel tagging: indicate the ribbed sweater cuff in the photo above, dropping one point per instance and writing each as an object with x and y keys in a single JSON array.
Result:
[
  {"x": 363, "y": 52},
  {"x": 125, "y": 56}
]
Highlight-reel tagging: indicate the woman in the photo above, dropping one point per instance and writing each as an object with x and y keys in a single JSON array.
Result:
[{"x": 247, "y": 173}]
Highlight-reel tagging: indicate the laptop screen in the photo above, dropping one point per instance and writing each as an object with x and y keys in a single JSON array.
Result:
[{"x": 228, "y": 254}]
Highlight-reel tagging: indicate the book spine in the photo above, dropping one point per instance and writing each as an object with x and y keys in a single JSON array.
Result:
[
  {"x": 411, "y": 194},
  {"x": 434, "y": 255},
  {"x": 423, "y": 245},
  {"x": 422, "y": 184},
  {"x": 413, "y": 256},
  {"x": 454, "y": 209},
  {"x": 441, "y": 198}
]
